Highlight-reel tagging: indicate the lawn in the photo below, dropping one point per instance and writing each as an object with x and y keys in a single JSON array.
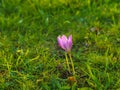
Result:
[{"x": 31, "y": 59}]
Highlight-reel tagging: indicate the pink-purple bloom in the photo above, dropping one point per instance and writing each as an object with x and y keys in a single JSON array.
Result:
[{"x": 65, "y": 43}]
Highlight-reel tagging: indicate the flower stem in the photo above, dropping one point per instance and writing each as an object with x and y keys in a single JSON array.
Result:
[
  {"x": 67, "y": 62},
  {"x": 73, "y": 69}
]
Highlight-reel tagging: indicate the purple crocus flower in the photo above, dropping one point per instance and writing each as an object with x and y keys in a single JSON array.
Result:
[{"x": 65, "y": 43}]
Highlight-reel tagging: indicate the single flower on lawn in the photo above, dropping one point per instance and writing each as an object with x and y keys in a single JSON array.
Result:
[{"x": 65, "y": 43}]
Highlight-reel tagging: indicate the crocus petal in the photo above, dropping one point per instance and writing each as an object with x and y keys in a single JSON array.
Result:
[
  {"x": 64, "y": 38},
  {"x": 60, "y": 42},
  {"x": 65, "y": 44},
  {"x": 70, "y": 41}
]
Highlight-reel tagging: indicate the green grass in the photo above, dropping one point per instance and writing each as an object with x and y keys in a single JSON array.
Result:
[{"x": 30, "y": 58}]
